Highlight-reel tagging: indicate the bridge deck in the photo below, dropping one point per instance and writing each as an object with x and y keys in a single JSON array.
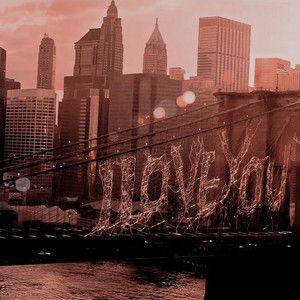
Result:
[{"x": 55, "y": 244}]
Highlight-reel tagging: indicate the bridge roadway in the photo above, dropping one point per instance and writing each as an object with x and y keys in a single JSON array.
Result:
[{"x": 59, "y": 243}]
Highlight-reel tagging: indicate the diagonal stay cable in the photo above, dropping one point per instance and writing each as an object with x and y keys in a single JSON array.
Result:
[
  {"x": 154, "y": 144},
  {"x": 21, "y": 157},
  {"x": 131, "y": 139}
]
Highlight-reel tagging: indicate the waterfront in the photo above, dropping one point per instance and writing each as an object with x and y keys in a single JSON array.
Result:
[{"x": 100, "y": 281}]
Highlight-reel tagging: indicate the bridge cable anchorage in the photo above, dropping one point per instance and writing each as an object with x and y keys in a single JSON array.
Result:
[
  {"x": 173, "y": 139},
  {"x": 7, "y": 160},
  {"x": 114, "y": 144}
]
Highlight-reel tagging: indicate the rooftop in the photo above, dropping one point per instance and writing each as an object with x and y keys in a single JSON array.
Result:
[{"x": 92, "y": 35}]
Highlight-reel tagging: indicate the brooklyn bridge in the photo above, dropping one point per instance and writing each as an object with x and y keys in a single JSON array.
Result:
[{"x": 215, "y": 186}]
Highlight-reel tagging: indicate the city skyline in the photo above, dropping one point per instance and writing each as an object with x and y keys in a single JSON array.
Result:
[
  {"x": 24, "y": 19},
  {"x": 158, "y": 138}
]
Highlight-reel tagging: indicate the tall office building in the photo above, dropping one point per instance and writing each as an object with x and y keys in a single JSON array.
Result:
[
  {"x": 99, "y": 54},
  {"x": 77, "y": 89},
  {"x": 30, "y": 120},
  {"x": 110, "y": 49},
  {"x": 100, "y": 51},
  {"x": 78, "y": 121},
  {"x": 136, "y": 96},
  {"x": 268, "y": 70},
  {"x": 46, "y": 64},
  {"x": 224, "y": 52},
  {"x": 2, "y": 71},
  {"x": 2, "y": 97},
  {"x": 155, "y": 55}
]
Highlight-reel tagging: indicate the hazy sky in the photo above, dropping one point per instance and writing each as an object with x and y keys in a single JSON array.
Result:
[{"x": 275, "y": 30}]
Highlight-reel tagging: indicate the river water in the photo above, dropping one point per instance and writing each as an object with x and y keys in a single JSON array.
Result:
[{"x": 100, "y": 281}]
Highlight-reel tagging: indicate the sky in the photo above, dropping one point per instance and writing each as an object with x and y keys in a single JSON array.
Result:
[{"x": 275, "y": 30}]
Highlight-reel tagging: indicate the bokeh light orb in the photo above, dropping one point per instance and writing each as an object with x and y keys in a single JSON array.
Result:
[
  {"x": 180, "y": 102},
  {"x": 189, "y": 97},
  {"x": 159, "y": 113},
  {"x": 170, "y": 107},
  {"x": 22, "y": 184},
  {"x": 141, "y": 120}
]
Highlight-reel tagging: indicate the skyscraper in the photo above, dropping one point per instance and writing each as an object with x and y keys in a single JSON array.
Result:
[
  {"x": 267, "y": 71},
  {"x": 2, "y": 70},
  {"x": 100, "y": 51},
  {"x": 99, "y": 55},
  {"x": 136, "y": 96},
  {"x": 155, "y": 55},
  {"x": 46, "y": 64},
  {"x": 30, "y": 120},
  {"x": 224, "y": 52},
  {"x": 77, "y": 89},
  {"x": 78, "y": 121},
  {"x": 110, "y": 50},
  {"x": 2, "y": 97}
]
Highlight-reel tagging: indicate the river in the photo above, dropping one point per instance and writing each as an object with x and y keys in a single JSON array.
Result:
[{"x": 100, "y": 281}]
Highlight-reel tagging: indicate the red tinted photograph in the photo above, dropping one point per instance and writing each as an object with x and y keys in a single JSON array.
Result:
[{"x": 149, "y": 149}]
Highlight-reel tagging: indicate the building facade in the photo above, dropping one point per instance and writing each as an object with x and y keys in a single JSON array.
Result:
[
  {"x": 155, "y": 55},
  {"x": 205, "y": 105},
  {"x": 2, "y": 97},
  {"x": 2, "y": 70},
  {"x": 288, "y": 81},
  {"x": 100, "y": 51},
  {"x": 224, "y": 53},
  {"x": 78, "y": 121},
  {"x": 11, "y": 84},
  {"x": 30, "y": 121},
  {"x": 176, "y": 73},
  {"x": 99, "y": 56},
  {"x": 268, "y": 70},
  {"x": 46, "y": 64},
  {"x": 136, "y": 96}
]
